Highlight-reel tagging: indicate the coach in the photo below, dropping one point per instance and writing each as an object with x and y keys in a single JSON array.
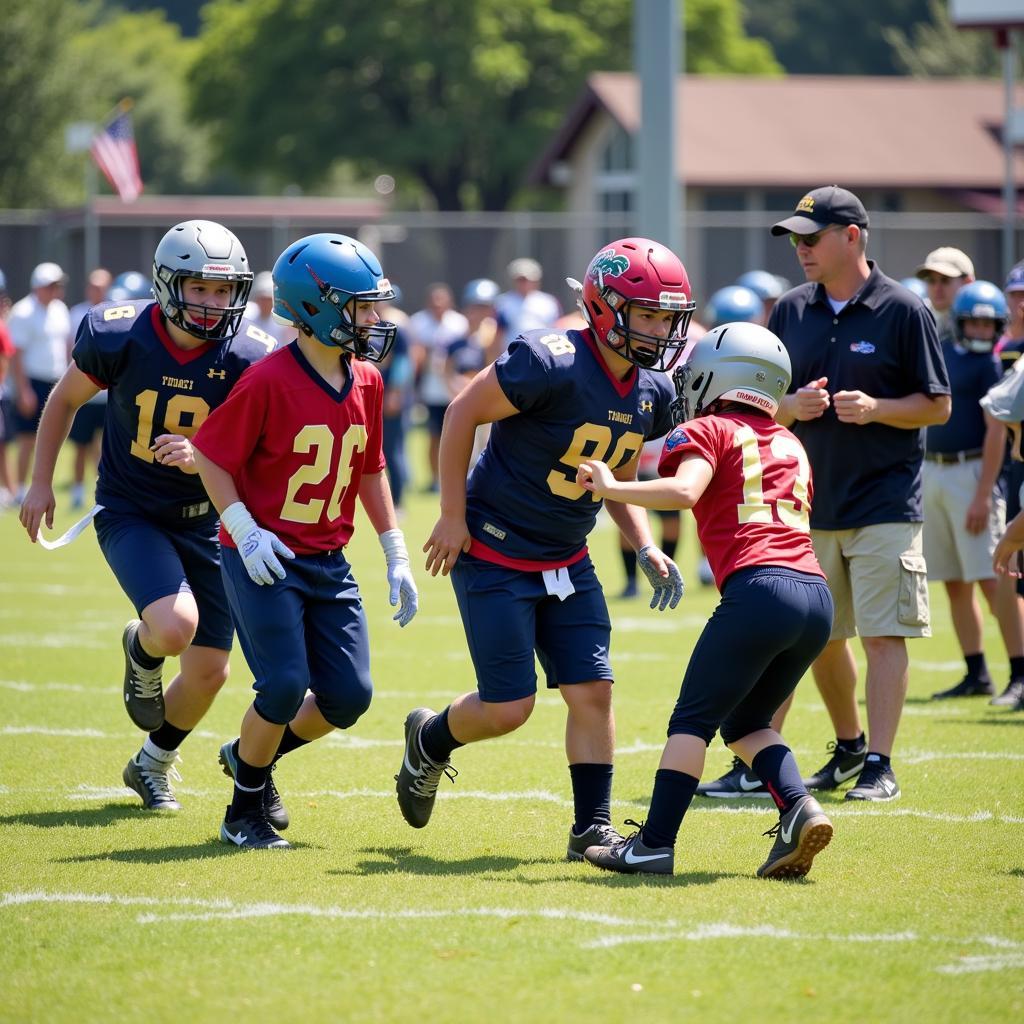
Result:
[{"x": 869, "y": 376}]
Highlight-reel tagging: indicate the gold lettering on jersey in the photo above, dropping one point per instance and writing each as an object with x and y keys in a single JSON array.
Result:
[
  {"x": 181, "y": 383},
  {"x": 219, "y": 374},
  {"x": 494, "y": 531},
  {"x": 620, "y": 417}
]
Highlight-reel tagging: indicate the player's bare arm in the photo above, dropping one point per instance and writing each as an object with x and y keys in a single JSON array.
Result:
[
  {"x": 175, "y": 450},
  {"x": 806, "y": 403},
  {"x": 908, "y": 413},
  {"x": 680, "y": 491},
  {"x": 73, "y": 390}
]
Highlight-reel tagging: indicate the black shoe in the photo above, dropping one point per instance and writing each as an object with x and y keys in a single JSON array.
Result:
[
  {"x": 251, "y": 832},
  {"x": 152, "y": 781},
  {"x": 739, "y": 781},
  {"x": 800, "y": 836},
  {"x": 595, "y": 835},
  {"x": 631, "y": 857},
  {"x": 277, "y": 813},
  {"x": 875, "y": 783},
  {"x": 417, "y": 779},
  {"x": 842, "y": 766},
  {"x": 1012, "y": 695},
  {"x": 969, "y": 686},
  {"x": 143, "y": 687}
]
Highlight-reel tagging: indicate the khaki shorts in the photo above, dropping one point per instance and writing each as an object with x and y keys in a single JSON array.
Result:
[
  {"x": 878, "y": 579},
  {"x": 950, "y": 551}
]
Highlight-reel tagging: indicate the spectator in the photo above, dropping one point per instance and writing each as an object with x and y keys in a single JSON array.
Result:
[
  {"x": 524, "y": 307},
  {"x": 944, "y": 272},
  {"x": 767, "y": 287},
  {"x": 7, "y": 485},
  {"x": 260, "y": 311},
  {"x": 469, "y": 355},
  {"x": 918, "y": 287},
  {"x": 396, "y": 372},
  {"x": 39, "y": 327}
]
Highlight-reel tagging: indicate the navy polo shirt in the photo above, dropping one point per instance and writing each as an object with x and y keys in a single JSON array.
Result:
[
  {"x": 882, "y": 342},
  {"x": 971, "y": 374}
]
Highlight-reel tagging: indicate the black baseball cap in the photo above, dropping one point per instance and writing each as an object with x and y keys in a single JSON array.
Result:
[{"x": 829, "y": 204}]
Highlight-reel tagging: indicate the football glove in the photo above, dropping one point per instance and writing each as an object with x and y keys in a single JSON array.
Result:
[
  {"x": 403, "y": 586},
  {"x": 259, "y": 548},
  {"x": 667, "y": 589}
]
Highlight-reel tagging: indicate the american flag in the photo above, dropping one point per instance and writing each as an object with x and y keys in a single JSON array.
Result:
[{"x": 114, "y": 151}]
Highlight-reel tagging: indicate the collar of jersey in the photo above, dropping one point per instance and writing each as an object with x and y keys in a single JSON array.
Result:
[
  {"x": 306, "y": 367},
  {"x": 623, "y": 387},
  {"x": 180, "y": 355}
]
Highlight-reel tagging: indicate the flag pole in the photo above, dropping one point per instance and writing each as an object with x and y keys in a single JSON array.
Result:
[{"x": 92, "y": 224}]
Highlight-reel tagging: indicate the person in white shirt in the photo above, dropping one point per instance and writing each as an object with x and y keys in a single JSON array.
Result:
[
  {"x": 39, "y": 326},
  {"x": 259, "y": 311},
  {"x": 524, "y": 307}
]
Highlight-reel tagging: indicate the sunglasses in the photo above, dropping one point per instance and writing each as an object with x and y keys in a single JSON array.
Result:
[{"x": 812, "y": 240}]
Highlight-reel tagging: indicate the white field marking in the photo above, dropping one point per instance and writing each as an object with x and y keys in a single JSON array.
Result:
[
  {"x": 921, "y": 756},
  {"x": 53, "y": 641},
  {"x": 21, "y": 687},
  {"x": 670, "y": 622},
  {"x": 50, "y": 589},
  {"x": 38, "y": 730},
  {"x": 919, "y": 711},
  {"x": 937, "y": 666},
  {"x": 975, "y": 964}
]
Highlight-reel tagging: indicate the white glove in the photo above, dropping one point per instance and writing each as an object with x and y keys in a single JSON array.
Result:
[
  {"x": 667, "y": 589},
  {"x": 403, "y": 586},
  {"x": 259, "y": 548}
]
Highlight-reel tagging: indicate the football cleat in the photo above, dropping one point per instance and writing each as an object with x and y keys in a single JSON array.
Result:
[
  {"x": 875, "y": 783},
  {"x": 417, "y": 779},
  {"x": 251, "y": 831},
  {"x": 593, "y": 835},
  {"x": 143, "y": 687},
  {"x": 1011, "y": 696},
  {"x": 277, "y": 813},
  {"x": 800, "y": 835},
  {"x": 739, "y": 781},
  {"x": 151, "y": 780},
  {"x": 842, "y": 766},
  {"x": 969, "y": 686},
  {"x": 630, "y": 856}
]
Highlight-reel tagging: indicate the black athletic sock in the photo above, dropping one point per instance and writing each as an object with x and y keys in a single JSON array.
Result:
[
  {"x": 1017, "y": 668},
  {"x": 673, "y": 793},
  {"x": 776, "y": 768},
  {"x": 138, "y": 654},
  {"x": 976, "y": 667},
  {"x": 591, "y": 795},
  {"x": 250, "y": 782},
  {"x": 168, "y": 737},
  {"x": 629, "y": 564},
  {"x": 289, "y": 742},
  {"x": 854, "y": 746},
  {"x": 669, "y": 548},
  {"x": 877, "y": 760},
  {"x": 436, "y": 739}
]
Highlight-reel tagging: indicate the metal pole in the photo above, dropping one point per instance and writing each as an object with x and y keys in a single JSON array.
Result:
[
  {"x": 1005, "y": 41},
  {"x": 92, "y": 225}
]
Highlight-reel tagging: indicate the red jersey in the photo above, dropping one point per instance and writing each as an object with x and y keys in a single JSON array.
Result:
[
  {"x": 296, "y": 448},
  {"x": 756, "y": 509}
]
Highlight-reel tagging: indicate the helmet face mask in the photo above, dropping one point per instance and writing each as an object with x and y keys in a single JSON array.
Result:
[
  {"x": 319, "y": 282},
  {"x": 205, "y": 251},
  {"x": 629, "y": 276},
  {"x": 738, "y": 362}
]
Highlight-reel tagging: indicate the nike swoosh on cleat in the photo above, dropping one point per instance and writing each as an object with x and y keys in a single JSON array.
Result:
[
  {"x": 238, "y": 839},
  {"x": 787, "y": 837},
  {"x": 749, "y": 785},
  {"x": 631, "y": 858},
  {"x": 416, "y": 772},
  {"x": 841, "y": 776}
]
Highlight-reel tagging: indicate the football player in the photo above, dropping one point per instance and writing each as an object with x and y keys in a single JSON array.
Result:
[
  {"x": 165, "y": 365},
  {"x": 748, "y": 482},
  {"x": 514, "y": 538},
  {"x": 283, "y": 460}
]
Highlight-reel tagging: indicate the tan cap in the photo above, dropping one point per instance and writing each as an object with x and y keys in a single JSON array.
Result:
[
  {"x": 525, "y": 267},
  {"x": 948, "y": 262},
  {"x": 46, "y": 274}
]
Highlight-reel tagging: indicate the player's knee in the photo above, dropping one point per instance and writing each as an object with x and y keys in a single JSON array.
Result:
[
  {"x": 589, "y": 698},
  {"x": 343, "y": 706},
  {"x": 173, "y": 635},
  {"x": 278, "y": 700},
  {"x": 510, "y": 715},
  {"x": 212, "y": 678},
  {"x": 686, "y": 725}
]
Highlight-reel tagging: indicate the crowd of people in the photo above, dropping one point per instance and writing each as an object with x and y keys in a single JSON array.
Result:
[{"x": 840, "y": 444}]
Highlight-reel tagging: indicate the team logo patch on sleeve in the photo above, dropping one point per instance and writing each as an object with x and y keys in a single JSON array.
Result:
[{"x": 676, "y": 438}]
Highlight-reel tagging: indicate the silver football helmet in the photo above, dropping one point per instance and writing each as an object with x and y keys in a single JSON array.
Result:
[
  {"x": 202, "y": 249},
  {"x": 736, "y": 362}
]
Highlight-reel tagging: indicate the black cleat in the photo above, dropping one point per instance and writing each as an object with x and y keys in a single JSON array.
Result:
[
  {"x": 800, "y": 836},
  {"x": 152, "y": 781},
  {"x": 875, "y": 783},
  {"x": 1011, "y": 696},
  {"x": 143, "y": 687},
  {"x": 842, "y": 766},
  {"x": 630, "y": 856},
  {"x": 277, "y": 813},
  {"x": 417, "y": 779},
  {"x": 251, "y": 832},
  {"x": 739, "y": 781},
  {"x": 969, "y": 686},
  {"x": 594, "y": 835}
]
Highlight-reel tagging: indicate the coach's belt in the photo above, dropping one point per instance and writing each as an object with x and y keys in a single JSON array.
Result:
[{"x": 947, "y": 458}]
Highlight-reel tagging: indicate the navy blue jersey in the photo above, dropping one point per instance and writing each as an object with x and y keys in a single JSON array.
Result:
[
  {"x": 523, "y": 502},
  {"x": 971, "y": 374},
  {"x": 155, "y": 388}
]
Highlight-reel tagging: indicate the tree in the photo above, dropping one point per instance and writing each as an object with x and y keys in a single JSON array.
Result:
[
  {"x": 939, "y": 49},
  {"x": 458, "y": 96}
]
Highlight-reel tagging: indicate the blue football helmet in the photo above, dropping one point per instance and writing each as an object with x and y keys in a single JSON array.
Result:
[
  {"x": 317, "y": 282},
  {"x": 130, "y": 285},
  {"x": 764, "y": 285},
  {"x": 732, "y": 304},
  {"x": 480, "y": 292},
  {"x": 979, "y": 300},
  {"x": 915, "y": 285}
]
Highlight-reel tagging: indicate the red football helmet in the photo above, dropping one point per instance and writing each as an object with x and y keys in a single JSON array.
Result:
[{"x": 637, "y": 273}]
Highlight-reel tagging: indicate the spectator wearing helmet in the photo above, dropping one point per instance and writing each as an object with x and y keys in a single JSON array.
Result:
[
  {"x": 260, "y": 311},
  {"x": 733, "y": 304},
  {"x": 524, "y": 307},
  {"x": 514, "y": 538},
  {"x": 1011, "y": 344},
  {"x": 918, "y": 287},
  {"x": 303, "y": 629},
  {"x": 964, "y": 513},
  {"x": 767, "y": 287},
  {"x": 775, "y": 616},
  {"x": 165, "y": 364},
  {"x": 944, "y": 272}
]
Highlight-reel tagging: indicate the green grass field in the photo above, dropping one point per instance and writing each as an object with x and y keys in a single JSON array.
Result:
[{"x": 915, "y": 912}]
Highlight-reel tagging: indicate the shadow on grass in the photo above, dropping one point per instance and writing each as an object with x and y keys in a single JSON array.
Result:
[
  {"x": 1013, "y": 718},
  {"x": 170, "y": 854},
  {"x": 79, "y": 817},
  {"x": 385, "y": 860}
]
